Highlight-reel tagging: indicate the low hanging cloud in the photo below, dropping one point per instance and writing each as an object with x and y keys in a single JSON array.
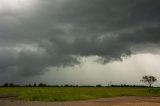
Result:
[{"x": 59, "y": 32}]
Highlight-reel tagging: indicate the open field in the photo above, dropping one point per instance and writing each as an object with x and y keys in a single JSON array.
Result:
[{"x": 74, "y": 93}]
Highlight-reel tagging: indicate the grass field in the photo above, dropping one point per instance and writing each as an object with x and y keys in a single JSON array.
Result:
[{"x": 75, "y": 93}]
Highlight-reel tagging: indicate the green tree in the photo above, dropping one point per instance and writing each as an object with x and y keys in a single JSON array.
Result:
[{"x": 149, "y": 80}]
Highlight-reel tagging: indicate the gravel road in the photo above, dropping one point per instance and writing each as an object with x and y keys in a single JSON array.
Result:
[{"x": 115, "y": 101}]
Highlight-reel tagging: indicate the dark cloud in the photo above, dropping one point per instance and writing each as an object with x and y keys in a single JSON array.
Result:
[{"x": 56, "y": 33}]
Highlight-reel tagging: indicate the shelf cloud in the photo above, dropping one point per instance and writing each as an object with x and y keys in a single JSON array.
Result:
[{"x": 55, "y": 33}]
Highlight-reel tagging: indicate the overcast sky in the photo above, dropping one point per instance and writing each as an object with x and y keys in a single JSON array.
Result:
[{"x": 84, "y": 42}]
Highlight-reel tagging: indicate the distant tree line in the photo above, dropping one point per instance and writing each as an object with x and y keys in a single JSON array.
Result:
[
  {"x": 67, "y": 85},
  {"x": 10, "y": 85},
  {"x": 147, "y": 79},
  {"x": 28, "y": 85}
]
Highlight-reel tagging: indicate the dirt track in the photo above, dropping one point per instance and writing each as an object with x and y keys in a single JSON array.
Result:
[{"x": 116, "y": 101}]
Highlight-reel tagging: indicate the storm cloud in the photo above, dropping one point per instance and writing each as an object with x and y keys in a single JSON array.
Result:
[{"x": 35, "y": 36}]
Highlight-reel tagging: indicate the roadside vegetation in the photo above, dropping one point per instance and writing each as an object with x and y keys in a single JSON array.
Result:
[
  {"x": 74, "y": 93},
  {"x": 44, "y": 92}
]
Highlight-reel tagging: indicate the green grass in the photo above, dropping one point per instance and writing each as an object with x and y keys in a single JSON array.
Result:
[{"x": 75, "y": 93}]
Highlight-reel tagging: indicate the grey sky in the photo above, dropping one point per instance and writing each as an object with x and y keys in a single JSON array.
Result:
[{"x": 43, "y": 36}]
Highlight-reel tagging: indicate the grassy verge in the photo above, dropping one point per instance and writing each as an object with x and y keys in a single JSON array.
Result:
[{"x": 75, "y": 93}]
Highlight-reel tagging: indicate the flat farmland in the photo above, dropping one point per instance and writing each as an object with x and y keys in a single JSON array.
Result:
[{"x": 51, "y": 94}]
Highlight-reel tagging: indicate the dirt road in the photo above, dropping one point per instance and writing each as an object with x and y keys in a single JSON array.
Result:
[{"x": 116, "y": 101}]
